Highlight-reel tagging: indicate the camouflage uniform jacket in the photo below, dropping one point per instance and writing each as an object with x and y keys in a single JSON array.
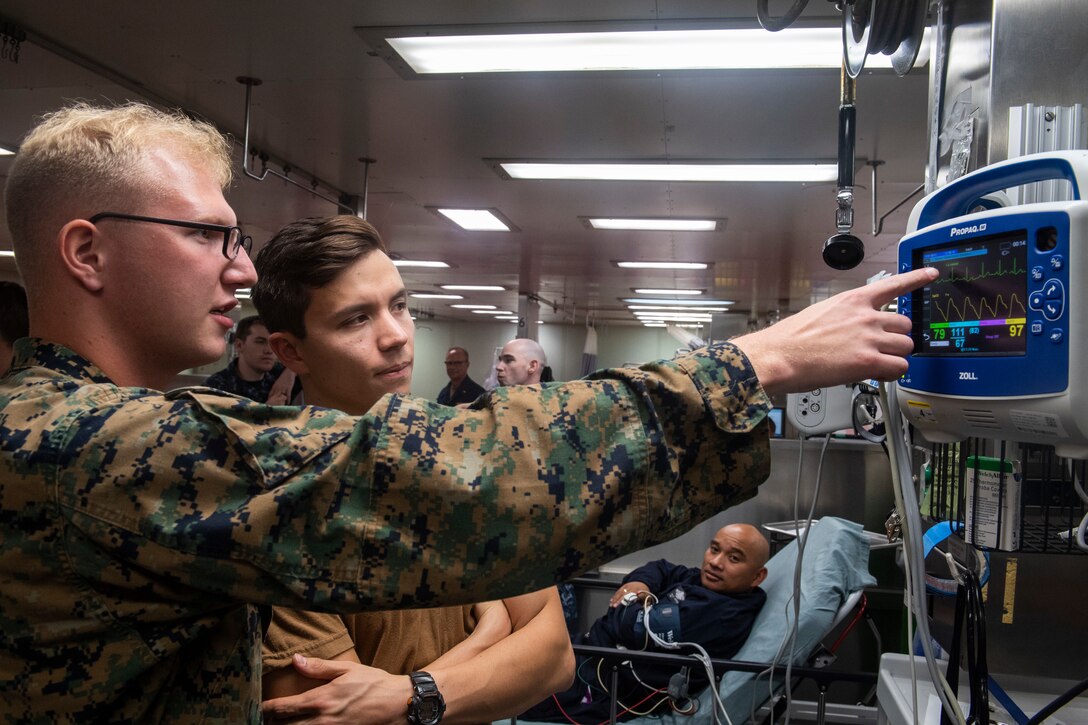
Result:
[{"x": 141, "y": 533}]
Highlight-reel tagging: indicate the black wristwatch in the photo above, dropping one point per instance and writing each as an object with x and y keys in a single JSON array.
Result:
[{"x": 426, "y": 706}]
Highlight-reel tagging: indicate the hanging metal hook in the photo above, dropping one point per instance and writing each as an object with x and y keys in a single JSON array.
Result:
[{"x": 249, "y": 83}]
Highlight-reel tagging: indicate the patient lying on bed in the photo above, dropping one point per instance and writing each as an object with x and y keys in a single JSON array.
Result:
[{"x": 713, "y": 606}]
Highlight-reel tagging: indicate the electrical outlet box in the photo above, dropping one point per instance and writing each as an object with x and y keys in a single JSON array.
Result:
[{"x": 823, "y": 410}]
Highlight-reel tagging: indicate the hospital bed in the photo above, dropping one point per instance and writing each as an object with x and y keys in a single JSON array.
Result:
[{"x": 834, "y": 572}]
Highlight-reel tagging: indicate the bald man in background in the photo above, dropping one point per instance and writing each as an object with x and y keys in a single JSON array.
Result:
[{"x": 521, "y": 362}]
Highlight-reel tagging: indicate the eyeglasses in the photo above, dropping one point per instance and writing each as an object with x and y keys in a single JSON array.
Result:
[{"x": 233, "y": 238}]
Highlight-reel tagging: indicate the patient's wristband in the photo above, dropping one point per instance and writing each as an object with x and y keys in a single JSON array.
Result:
[{"x": 427, "y": 705}]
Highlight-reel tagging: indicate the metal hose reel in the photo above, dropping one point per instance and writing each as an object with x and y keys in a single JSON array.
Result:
[{"x": 890, "y": 27}]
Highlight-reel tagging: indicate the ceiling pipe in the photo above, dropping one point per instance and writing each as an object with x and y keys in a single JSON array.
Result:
[{"x": 343, "y": 200}]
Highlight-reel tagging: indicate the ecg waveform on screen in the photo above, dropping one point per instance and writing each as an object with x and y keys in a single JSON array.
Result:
[
  {"x": 966, "y": 276},
  {"x": 982, "y": 309}
]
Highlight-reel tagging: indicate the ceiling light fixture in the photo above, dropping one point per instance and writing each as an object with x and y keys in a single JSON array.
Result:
[
  {"x": 492, "y": 312},
  {"x": 432, "y": 296},
  {"x": 795, "y": 171},
  {"x": 652, "y": 291},
  {"x": 677, "y": 308},
  {"x": 473, "y": 307},
  {"x": 420, "y": 263},
  {"x": 7, "y": 253},
  {"x": 476, "y": 220},
  {"x": 661, "y": 265},
  {"x": 676, "y": 302},
  {"x": 679, "y": 316},
  {"x": 433, "y": 50},
  {"x": 656, "y": 225},
  {"x": 474, "y": 287}
]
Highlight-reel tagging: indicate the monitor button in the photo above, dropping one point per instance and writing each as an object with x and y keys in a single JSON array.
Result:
[
  {"x": 1056, "y": 336},
  {"x": 1053, "y": 290},
  {"x": 1057, "y": 262},
  {"x": 1052, "y": 309},
  {"x": 1036, "y": 328},
  {"x": 1035, "y": 300},
  {"x": 1037, "y": 274}
]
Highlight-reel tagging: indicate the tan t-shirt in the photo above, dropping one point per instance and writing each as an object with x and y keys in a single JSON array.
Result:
[{"x": 398, "y": 641}]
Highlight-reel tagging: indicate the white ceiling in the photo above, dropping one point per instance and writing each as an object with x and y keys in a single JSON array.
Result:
[{"x": 325, "y": 103}]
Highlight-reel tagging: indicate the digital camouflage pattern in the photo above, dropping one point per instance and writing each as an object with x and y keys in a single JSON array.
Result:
[{"x": 142, "y": 534}]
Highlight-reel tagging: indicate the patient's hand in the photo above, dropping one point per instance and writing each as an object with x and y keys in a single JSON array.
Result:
[
  {"x": 352, "y": 693},
  {"x": 639, "y": 589}
]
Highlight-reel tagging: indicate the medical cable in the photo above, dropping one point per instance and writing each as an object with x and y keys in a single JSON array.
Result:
[
  {"x": 701, "y": 656},
  {"x": 790, "y": 639},
  {"x": 631, "y": 709},
  {"x": 1058, "y": 703},
  {"x": 914, "y": 568},
  {"x": 802, "y": 543},
  {"x": 1082, "y": 528},
  {"x": 907, "y": 502},
  {"x": 572, "y": 721}
]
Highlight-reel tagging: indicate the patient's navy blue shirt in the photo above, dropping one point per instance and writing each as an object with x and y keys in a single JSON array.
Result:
[{"x": 686, "y": 611}]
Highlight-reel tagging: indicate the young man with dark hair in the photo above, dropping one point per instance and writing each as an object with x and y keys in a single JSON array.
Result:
[
  {"x": 142, "y": 533},
  {"x": 356, "y": 322},
  {"x": 254, "y": 373}
]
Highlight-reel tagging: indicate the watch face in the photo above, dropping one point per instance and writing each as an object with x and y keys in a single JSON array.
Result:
[{"x": 428, "y": 711}]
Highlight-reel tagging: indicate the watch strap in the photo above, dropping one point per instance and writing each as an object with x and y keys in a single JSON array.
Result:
[{"x": 425, "y": 693}]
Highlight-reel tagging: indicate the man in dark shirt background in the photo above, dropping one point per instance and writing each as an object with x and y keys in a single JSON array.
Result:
[
  {"x": 461, "y": 388},
  {"x": 254, "y": 373},
  {"x": 713, "y": 606}
]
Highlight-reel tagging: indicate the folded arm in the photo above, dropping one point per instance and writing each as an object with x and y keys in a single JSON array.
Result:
[{"x": 518, "y": 671}]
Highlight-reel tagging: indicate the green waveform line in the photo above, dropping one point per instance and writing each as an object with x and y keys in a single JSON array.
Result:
[
  {"x": 981, "y": 307},
  {"x": 983, "y": 274}
]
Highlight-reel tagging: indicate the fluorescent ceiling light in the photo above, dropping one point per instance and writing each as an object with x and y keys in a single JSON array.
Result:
[
  {"x": 473, "y": 307},
  {"x": 511, "y": 318},
  {"x": 419, "y": 263},
  {"x": 650, "y": 291},
  {"x": 678, "y": 308},
  {"x": 430, "y": 296},
  {"x": 474, "y": 287},
  {"x": 661, "y": 265},
  {"x": 677, "y": 316},
  {"x": 654, "y": 324},
  {"x": 691, "y": 325},
  {"x": 676, "y": 302},
  {"x": 656, "y": 225},
  {"x": 5, "y": 151},
  {"x": 492, "y": 312},
  {"x": 242, "y": 293},
  {"x": 740, "y": 48},
  {"x": 475, "y": 220},
  {"x": 7, "y": 253},
  {"x": 811, "y": 171}
]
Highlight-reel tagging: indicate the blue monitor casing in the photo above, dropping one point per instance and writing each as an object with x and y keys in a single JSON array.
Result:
[{"x": 1000, "y": 335}]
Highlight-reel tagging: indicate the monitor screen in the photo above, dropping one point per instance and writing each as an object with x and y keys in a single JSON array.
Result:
[
  {"x": 978, "y": 305},
  {"x": 777, "y": 416}
]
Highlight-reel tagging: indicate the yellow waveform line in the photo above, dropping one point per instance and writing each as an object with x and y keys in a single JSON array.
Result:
[{"x": 982, "y": 307}]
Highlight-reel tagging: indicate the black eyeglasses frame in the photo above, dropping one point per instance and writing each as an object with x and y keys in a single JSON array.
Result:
[{"x": 229, "y": 251}]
